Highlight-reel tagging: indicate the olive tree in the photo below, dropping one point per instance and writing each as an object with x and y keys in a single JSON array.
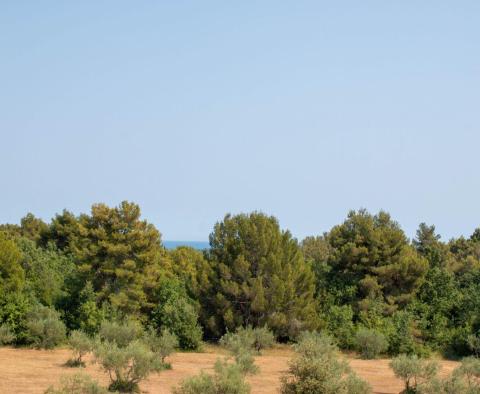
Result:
[
  {"x": 81, "y": 344},
  {"x": 317, "y": 368},
  {"x": 414, "y": 371},
  {"x": 129, "y": 355},
  {"x": 77, "y": 384},
  {"x": 227, "y": 379},
  {"x": 370, "y": 343}
]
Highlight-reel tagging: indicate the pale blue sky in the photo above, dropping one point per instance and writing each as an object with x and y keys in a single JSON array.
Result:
[{"x": 301, "y": 109}]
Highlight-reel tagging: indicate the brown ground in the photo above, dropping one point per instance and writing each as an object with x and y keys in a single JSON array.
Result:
[{"x": 27, "y": 371}]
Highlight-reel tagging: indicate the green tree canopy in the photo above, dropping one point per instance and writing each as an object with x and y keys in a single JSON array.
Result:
[
  {"x": 12, "y": 275},
  {"x": 260, "y": 276},
  {"x": 119, "y": 254},
  {"x": 372, "y": 259}
]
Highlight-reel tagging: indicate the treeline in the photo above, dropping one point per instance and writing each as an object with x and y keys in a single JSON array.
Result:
[{"x": 364, "y": 281}]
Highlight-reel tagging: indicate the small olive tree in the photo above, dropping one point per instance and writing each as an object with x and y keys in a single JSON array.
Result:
[
  {"x": 241, "y": 345},
  {"x": 256, "y": 338},
  {"x": 370, "y": 343},
  {"x": 77, "y": 384},
  {"x": 414, "y": 371},
  {"x": 465, "y": 379},
  {"x": 227, "y": 379},
  {"x": 317, "y": 368},
  {"x": 163, "y": 344},
  {"x": 129, "y": 355},
  {"x": 81, "y": 344}
]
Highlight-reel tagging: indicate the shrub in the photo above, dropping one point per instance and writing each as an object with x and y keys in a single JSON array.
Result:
[
  {"x": 242, "y": 338},
  {"x": 6, "y": 335},
  {"x": 322, "y": 375},
  {"x": 401, "y": 339},
  {"x": 77, "y": 384},
  {"x": 128, "y": 354},
  {"x": 14, "y": 309},
  {"x": 227, "y": 379},
  {"x": 81, "y": 344},
  {"x": 120, "y": 333},
  {"x": 370, "y": 343},
  {"x": 414, "y": 371},
  {"x": 177, "y": 313},
  {"x": 318, "y": 369},
  {"x": 339, "y": 322},
  {"x": 242, "y": 343},
  {"x": 245, "y": 361},
  {"x": 163, "y": 344},
  {"x": 465, "y": 379},
  {"x": 264, "y": 338},
  {"x": 249, "y": 338},
  {"x": 45, "y": 330},
  {"x": 128, "y": 365},
  {"x": 469, "y": 370},
  {"x": 474, "y": 344},
  {"x": 314, "y": 345}
]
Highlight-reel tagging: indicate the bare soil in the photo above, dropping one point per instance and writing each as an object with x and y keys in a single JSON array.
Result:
[{"x": 27, "y": 371}]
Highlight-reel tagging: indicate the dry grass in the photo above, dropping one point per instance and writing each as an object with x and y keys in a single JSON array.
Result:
[{"x": 28, "y": 371}]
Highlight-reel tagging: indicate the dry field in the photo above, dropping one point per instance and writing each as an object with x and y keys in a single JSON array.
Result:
[{"x": 27, "y": 371}]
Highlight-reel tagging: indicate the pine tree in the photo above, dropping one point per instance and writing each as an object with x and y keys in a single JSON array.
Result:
[{"x": 260, "y": 276}]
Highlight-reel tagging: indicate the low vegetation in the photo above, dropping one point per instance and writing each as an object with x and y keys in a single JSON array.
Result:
[
  {"x": 319, "y": 369},
  {"x": 228, "y": 377},
  {"x": 80, "y": 344},
  {"x": 415, "y": 372},
  {"x": 45, "y": 330},
  {"x": 128, "y": 355},
  {"x": 370, "y": 343},
  {"x": 77, "y": 384}
]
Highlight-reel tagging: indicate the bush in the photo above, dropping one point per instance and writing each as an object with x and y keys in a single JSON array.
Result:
[
  {"x": 45, "y": 330},
  {"x": 465, "y": 379},
  {"x": 249, "y": 338},
  {"x": 176, "y": 312},
  {"x": 242, "y": 344},
  {"x": 318, "y": 369},
  {"x": 401, "y": 339},
  {"x": 339, "y": 322},
  {"x": 77, "y": 384},
  {"x": 227, "y": 379},
  {"x": 322, "y": 375},
  {"x": 370, "y": 343},
  {"x": 120, "y": 333},
  {"x": 14, "y": 309},
  {"x": 314, "y": 345},
  {"x": 6, "y": 335},
  {"x": 81, "y": 344},
  {"x": 474, "y": 344},
  {"x": 414, "y": 371},
  {"x": 469, "y": 371},
  {"x": 163, "y": 344},
  {"x": 128, "y": 354}
]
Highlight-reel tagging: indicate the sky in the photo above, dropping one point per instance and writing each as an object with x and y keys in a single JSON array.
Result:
[{"x": 192, "y": 109}]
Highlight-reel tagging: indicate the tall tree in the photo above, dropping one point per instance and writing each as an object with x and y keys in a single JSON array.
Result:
[
  {"x": 119, "y": 254},
  {"x": 260, "y": 276},
  {"x": 372, "y": 261}
]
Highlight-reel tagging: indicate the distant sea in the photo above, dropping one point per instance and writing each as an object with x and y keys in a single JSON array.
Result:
[{"x": 193, "y": 244}]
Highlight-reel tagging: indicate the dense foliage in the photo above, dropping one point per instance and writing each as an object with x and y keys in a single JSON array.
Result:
[{"x": 363, "y": 281}]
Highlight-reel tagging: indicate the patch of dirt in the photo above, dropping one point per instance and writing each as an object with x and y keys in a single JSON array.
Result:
[{"x": 27, "y": 371}]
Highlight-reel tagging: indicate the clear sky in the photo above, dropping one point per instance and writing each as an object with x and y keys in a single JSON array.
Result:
[{"x": 301, "y": 109}]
